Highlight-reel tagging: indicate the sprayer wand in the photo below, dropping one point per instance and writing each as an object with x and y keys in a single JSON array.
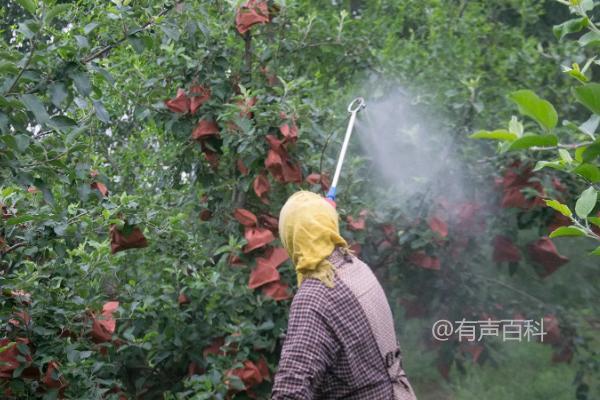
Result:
[{"x": 353, "y": 108}]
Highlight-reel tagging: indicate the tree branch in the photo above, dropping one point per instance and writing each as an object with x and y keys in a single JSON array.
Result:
[
  {"x": 319, "y": 44},
  {"x": 507, "y": 286},
  {"x": 33, "y": 44},
  {"x": 561, "y": 146},
  {"x": 12, "y": 248},
  {"x": 102, "y": 51},
  {"x": 33, "y": 164},
  {"x": 248, "y": 54}
]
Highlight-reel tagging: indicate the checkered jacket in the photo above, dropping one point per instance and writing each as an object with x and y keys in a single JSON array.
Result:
[{"x": 340, "y": 342}]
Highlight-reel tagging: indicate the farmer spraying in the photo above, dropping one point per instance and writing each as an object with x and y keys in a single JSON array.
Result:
[{"x": 340, "y": 342}]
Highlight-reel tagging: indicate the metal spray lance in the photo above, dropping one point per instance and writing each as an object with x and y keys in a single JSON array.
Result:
[{"x": 353, "y": 108}]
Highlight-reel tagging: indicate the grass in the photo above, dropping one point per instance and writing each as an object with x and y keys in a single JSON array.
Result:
[{"x": 524, "y": 371}]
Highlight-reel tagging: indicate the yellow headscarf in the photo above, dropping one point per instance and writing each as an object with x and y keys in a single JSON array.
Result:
[{"x": 309, "y": 231}]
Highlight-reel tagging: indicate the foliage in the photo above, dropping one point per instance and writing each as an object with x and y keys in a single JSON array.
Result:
[
  {"x": 532, "y": 383},
  {"x": 571, "y": 148},
  {"x": 577, "y": 158},
  {"x": 147, "y": 146}
]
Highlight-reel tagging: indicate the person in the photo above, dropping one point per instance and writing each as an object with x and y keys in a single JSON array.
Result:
[{"x": 340, "y": 342}]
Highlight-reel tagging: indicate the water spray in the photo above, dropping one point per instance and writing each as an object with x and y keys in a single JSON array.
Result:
[{"x": 353, "y": 108}]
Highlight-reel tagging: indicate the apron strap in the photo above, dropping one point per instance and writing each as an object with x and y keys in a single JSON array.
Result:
[{"x": 390, "y": 359}]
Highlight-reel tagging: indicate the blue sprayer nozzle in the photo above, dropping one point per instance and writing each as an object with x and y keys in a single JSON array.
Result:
[
  {"x": 331, "y": 193},
  {"x": 330, "y": 200}
]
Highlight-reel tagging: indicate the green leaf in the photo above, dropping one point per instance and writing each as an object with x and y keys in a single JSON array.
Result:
[
  {"x": 36, "y": 107},
  {"x": 6, "y": 347},
  {"x": 19, "y": 370},
  {"x": 22, "y": 142},
  {"x": 500, "y": 134},
  {"x": 5, "y": 193},
  {"x": 137, "y": 44},
  {"x": 118, "y": 222},
  {"x": 515, "y": 126},
  {"x": 82, "y": 82},
  {"x": 571, "y": 26},
  {"x": 589, "y": 38},
  {"x": 531, "y": 140},
  {"x": 58, "y": 93},
  {"x": 104, "y": 74},
  {"x": 236, "y": 383},
  {"x": 61, "y": 122},
  {"x": 589, "y": 172},
  {"x": 23, "y": 349},
  {"x": 40, "y": 330},
  {"x": 586, "y": 5},
  {"x": 9, "y": 68},
  {"x": 567, "y": 231},
  {"x": 82, "y": 42},
  {"x": 591, "y": 152},
  {"x": 577, "y": 74},
  {"x": 579, "y": 154},
  {"x": 29, "y": 5},
  {"x": 59, "y": 9},
  {"x": 594, "y": 220},
  {"x": 19, "y": 219},
  {"x": 596, "y": 252},
  {"x": 531, "y": 105},
  {"x": 10, "y": 141},
  {"x": 48, "y": 196},
  {"x": 589, "y": 127},
  {"x": 558, "y": 206},
  {"x": 550, "y": 164},
  {"x": 589, "y": 96},
  {"x": 171, "y": 33},
  {"x": 72, "y": 355},
  {"x": 101, "y": 112},
  {"x": 565, "y": 156},
  {"x": 586, "y": 202},
  {"x": 18, "y": 143},
  {"x": 89, "y": 27}
]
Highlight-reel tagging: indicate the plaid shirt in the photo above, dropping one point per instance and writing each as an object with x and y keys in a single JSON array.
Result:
[{"x": 340, "y": 341}]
